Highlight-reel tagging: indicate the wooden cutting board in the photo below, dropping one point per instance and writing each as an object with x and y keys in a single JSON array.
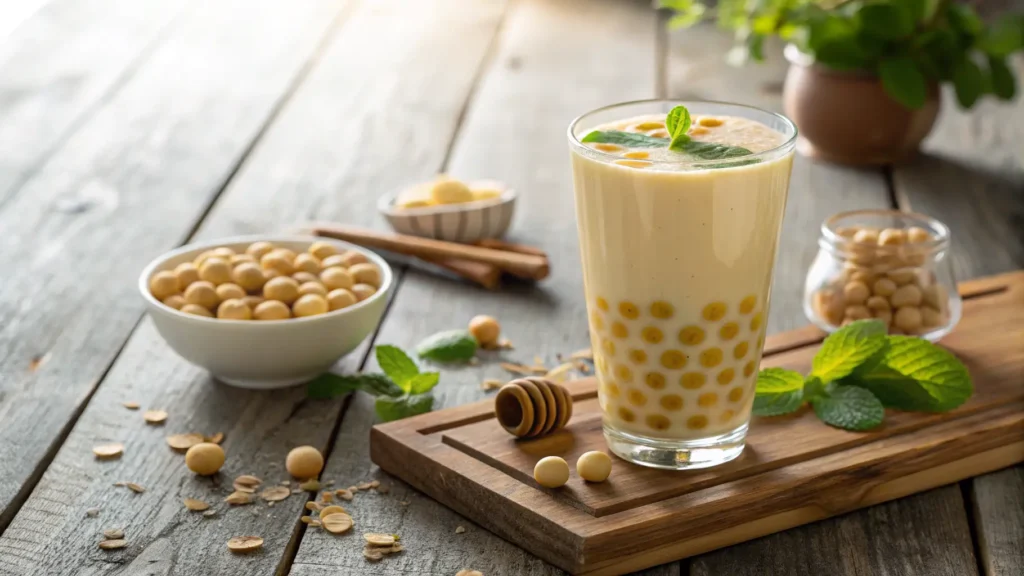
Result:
[{"x": 794, "y": 469}]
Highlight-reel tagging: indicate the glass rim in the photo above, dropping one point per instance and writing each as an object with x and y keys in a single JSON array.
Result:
[
  {"x": 831, "y": 239},
  {"x": 779, "y": 150}
]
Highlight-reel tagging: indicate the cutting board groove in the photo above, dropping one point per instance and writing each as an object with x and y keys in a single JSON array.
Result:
[{"x": 794, "y": 470}]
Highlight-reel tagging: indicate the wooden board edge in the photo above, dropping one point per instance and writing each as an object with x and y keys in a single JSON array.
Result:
[{"x": 949, "y": 473}]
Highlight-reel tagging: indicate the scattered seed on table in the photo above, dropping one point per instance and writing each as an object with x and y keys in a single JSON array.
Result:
[
  {"x": 365, "y": 486},
  {"x": 108, "y": 451},
  {"x": 113, "y": 544},
  {"x": 247, "y": 480},
  {"x": 327, "y": 496},
  {"x": 313, "y": 506},
  {"x": 460, "y": 530},
  {"x": 184, "y": 441},
  {"x": 245, "y": 543},
  {"x": 216, "y": 438},
  {"x": 239, "y": 498},
  {"x": 343, "y": 494},
  {"x": 92, "y": 512},
  {"x": 375, "y": 484},
  {"x": 491, "y": 384},
  {"x": 120, "y": 484},
  {"x": 296, "y": 491},
  {"x": 336, "y": 523},
  {"x": 210, "y": 513},
  {"x": 333, "y": 509},
  {"x": 372, "y": 555},
  {"x": 307, "y": 519},
  {"x": 275, "y": 494},
  {"x": 310, "y": 485},
  {"x": 195, "y": 505},
  {"x": 135, "y": 487},
  {"x": 130, "y": 405},
  {"x": 154, "y": 416},
  {"x": 353, "y": 489},
  {"x": 469, "y": 573},
  {"x": 113, "y": 534},
  {"x": 329, "y": 483},
  {"x": 379, "y": 539}
]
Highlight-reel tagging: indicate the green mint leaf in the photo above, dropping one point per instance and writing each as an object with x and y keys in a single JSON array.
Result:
[
  {"x": 1004, "y": 85},
  {"x": 847, "y": 348},
  {"x": 678, "y": 123},
  {"x": 778, "y": 392},
  {"x": 964, "y": 19},
  {"x": 422, "y": 383},
  {"x": 330, "y": 385},
  {"x": 397, "y": 365},
  {"x": 627, "y": 139},
  {"x": 1004, "y": 37},
  {"x": 389, "y": 408},
  {"x": 849, "y": 408},
  {"x": 903, "y": 81},
  {"x": 889, "y": 21},
  {"x": 814, "y": 388},
  {"x": 448, "y": 346},
  {"x": 712, "y": 151},
  {"x": 968, "y": 81},
  {"x": 911, "y": 363}
]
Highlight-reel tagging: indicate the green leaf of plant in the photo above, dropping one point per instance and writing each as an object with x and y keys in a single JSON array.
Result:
[
  {"x": 329, "y": 385},
  {"x": 1004, "y": 37},
  {"x": 678, "y": 123},
  {"x": 964, "y": 19},
  {"x": 397, "y": 365},
  {"x": 1004, "y": 84},
  {"x": 389, "y": 408},
  {"x": 890, "y": 21},
  {"x": 847, "y": 348},
  {"x": 849, "y": 408},
  {"x": 628, "y": 139},
  {"x": 903, "y": 82},
  {"x": 422, "y": 383},
  {"x": 937, "y": 371},
  {"x": 712, "y": 151},
  {"x": 969, "y": 82},
  {"x": 916, "y": 8},
  {"x": 778, "y": 392},
  {"x": 448, "y": 346},
  {"x": 893, "y": 389}
]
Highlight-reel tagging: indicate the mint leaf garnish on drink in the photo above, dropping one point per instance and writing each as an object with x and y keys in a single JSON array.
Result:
[
  {"x": 678, "y": 123},
  {"x": 401, "y": 391},
  {"x": 859, "y": 371},
  {"x": 627, "y": 139}
]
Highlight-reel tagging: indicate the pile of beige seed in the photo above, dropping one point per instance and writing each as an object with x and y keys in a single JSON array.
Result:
[
  {"x": 886, "y": 276},
  {"x": 266, "y": 282}
]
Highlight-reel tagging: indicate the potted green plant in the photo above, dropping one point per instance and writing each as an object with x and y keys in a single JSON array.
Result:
[{"x": 864, "y": 76}]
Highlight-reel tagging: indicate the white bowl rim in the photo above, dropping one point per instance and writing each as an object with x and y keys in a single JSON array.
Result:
[
  {"x": 150, "y": 269},
  {"x": 387, "y": 201}
]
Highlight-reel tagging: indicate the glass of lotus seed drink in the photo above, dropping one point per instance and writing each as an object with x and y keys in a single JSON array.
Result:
[{"x": 679, "y": 208}]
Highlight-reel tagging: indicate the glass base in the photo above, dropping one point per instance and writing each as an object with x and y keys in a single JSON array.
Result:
[{"x": 676, "y": 454}]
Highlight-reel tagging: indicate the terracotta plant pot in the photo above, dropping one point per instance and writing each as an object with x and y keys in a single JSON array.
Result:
[{"x": 847, "y": 118}]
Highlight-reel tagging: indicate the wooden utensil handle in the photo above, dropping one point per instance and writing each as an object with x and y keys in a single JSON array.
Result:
[{"x": 524, "y": 265}]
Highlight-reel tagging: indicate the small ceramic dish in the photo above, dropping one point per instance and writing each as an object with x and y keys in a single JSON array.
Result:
[
  {"x": 265, "y": 354},
  {"x": 466, "y": 222}
]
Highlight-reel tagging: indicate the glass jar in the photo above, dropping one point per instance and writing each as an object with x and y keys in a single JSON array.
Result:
[{"x": 883, "y": 264}]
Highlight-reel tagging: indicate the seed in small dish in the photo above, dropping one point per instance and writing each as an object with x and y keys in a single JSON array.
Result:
[
  {"x": 234, "y": 309},
  {"x": 363, "y": 291},
  {"x": 271, "y": 310},
  {"x": 307, "y": 263},
  {"x": 364, "y": 274},
  {"x": 196, "y": 310},
  {"x": 312, "y": 288},
  {"x": 340, "y": 298},
  {"x": 333, "y": 261},
  {"x": 249, "y": 276},
  {"x": 336, "y": 277},
  {"x": 309, "y": 305},
  {"x": 303, "y": 277},
  {"x": 227, "y": 291},
  {"x": 163, "y": 284},
  {"x": 175, "y": 301},
  {"x": 259, "y": 249},
  {"x": 450, "y": 191},
  {"x": 215, "y": 270},
  {"x": 282, "y": 288},
  {"x": 277, "y": 261},
  {"x": 202, "y": 293},
  {"x": 321, "y": 249},
  {"x": 351, "y": 258},
  {"x": 187, "y": 273}
]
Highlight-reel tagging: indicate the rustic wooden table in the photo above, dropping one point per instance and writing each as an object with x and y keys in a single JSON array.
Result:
[{"x": 128, "y": 128}]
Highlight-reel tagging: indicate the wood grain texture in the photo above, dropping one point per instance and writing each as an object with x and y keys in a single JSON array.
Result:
[
  {"x": 817, "y": 190},
  {"x": 128, "y": 185},
  {"x": 796, "y": 470},
  {"x": 697, "y": 70},
  {"x": 513, "y": 131},
  {"x": 306, "y": 164},
  {"x": 58, "y": 66},
  {"x": 971, "y": 177}
]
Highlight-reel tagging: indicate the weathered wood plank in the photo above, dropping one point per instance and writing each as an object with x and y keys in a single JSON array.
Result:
[
  {"x": 312, "y": 161},
  {"x": 59, "y": 65},
  {"x": 971, "y": 177},
  {"x": 817, "y": 190},
  {"x": 546, "y": 71},
  {"x": 890, "y": 538},
  {"x": 129, "y": 184}
]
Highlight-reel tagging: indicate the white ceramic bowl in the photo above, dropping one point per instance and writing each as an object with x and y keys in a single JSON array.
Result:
[
  {"x": 467, "y": 223},
  {"x": 268, "y": 353}
]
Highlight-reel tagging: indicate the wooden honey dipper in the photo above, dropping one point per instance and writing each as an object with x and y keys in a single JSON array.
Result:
[{"x": 531, "y": 407}]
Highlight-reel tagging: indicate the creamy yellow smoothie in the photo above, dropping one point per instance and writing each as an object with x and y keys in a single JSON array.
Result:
[{"x": 677, "y": 251}]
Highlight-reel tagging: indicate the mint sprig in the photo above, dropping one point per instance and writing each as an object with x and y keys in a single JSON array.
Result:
[
  {"x": 859, "y": 371},
  {"x": 678, "y": 123},
  {"x": 401, "y": 391},
  {"x": 627, "y": 139}
]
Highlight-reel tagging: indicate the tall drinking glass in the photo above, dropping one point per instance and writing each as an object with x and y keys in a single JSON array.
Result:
[{"x": 677, "y": 251}]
